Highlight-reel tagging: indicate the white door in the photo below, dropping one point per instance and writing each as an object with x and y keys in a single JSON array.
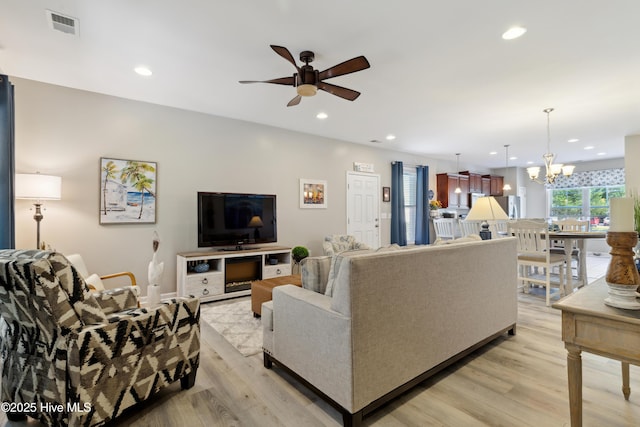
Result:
[{"x": 363, "y": 207}]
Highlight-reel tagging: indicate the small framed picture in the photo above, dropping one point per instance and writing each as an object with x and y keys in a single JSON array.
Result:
[
  {"x": 313, "y": 194},
  {"x": 386, "y": 194}
]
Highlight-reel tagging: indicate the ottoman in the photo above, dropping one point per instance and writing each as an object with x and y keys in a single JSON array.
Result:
[{"x": 261, "y": 290}]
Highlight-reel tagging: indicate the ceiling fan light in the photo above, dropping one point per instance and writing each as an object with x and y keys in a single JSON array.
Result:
[
  {"x": 306, "y": 90},
  {"x": 567, "y": 170},
  {"x": 534, "y": 172}
]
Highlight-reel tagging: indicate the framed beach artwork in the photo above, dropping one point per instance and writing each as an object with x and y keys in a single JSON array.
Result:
[
  {"x": 127, "y": 191},
  {"x": 313, "y": 194}
]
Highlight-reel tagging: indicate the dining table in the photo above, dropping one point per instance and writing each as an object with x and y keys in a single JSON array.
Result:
[{"x": 569, "y": 238}]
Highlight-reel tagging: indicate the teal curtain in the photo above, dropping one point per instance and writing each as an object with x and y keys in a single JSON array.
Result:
[
  {"x": 398, "y": 221},
  {"x": 422, "y": 205},
  {"x": 7, "y": 164}
]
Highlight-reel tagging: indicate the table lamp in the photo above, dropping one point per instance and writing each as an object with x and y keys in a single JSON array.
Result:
[
  {"x": 255, "y": 222},
  {"x": 34, "y": 186},
  {"x": 486, "y": 209}
]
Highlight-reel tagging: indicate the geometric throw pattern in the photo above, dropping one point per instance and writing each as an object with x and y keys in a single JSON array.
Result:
[{"x": 70, "y": 357}]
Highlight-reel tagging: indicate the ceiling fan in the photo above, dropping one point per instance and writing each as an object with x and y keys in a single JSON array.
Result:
[{"x": 307, "y": 81}]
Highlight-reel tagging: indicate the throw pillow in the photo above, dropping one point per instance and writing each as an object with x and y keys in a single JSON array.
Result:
[
  {"x": 94, "y": 282},
  {"x": 315, "y": 273}
]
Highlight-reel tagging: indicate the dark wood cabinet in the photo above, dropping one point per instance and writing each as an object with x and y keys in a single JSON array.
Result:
[
  {"x": 475, "y": 181},
  {"x": 496, "y": 184},
  {"x": 486, "y": 186},
  {"x": 446, "y": 186}
]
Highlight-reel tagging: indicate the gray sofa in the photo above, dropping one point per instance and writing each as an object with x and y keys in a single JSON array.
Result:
[{"x": 392, "y": 319}]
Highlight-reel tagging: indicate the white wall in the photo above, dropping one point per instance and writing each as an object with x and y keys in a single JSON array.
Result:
[
  {"x": 64, "y": 132},
  {"x": 631, "y": 169}
]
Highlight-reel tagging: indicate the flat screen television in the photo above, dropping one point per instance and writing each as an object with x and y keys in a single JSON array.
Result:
[{"x": 234, "y": 219}]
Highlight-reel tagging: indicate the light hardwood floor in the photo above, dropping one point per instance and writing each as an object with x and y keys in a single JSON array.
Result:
[{"x": 514, "y": 381}]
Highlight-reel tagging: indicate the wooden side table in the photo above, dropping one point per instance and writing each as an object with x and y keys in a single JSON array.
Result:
[{"x": 590, "y": 325}]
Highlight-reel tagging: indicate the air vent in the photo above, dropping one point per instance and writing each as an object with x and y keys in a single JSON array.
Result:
[{"x": 59, "y": 22}]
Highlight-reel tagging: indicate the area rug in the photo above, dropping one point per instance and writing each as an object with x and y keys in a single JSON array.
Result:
[{"x": 235, "y": 322}]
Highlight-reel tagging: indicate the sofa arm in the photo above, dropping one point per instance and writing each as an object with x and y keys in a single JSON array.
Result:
[
  {"x": 118, "y": 299},
  {"x": 313, "y": 340}
]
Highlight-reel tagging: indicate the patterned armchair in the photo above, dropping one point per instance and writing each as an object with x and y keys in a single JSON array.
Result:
[
  {"x": 341, "y": 242},
  {"x": 70, "y": 357}
]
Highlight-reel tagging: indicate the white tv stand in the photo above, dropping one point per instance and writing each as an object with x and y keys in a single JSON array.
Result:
[{"x": 230, "y": 273}]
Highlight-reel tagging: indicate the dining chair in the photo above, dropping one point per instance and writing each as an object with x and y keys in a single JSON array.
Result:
[
  {"x": 445, "y": 228},
  {"x": 533, "y": 251},
  {"x": 468, "y": 227},
  {"x": 498, "y": 228},
  {"x": 570, "y": 224}
]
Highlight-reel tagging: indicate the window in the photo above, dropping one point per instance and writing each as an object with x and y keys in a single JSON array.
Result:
[
  {"x": 585, "y": 203},
  {"x": 409, "y": 178}
]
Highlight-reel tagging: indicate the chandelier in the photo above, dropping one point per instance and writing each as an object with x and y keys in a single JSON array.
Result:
[{"x": 552, "y": 169}]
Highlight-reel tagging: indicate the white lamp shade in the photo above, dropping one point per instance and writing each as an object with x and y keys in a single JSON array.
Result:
[
  {"x": 38, "y": 187},
  {"x": 486, "y": 209}
]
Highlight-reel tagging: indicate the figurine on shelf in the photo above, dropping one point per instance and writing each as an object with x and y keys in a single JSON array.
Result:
[{"x": 155, "y": 273}]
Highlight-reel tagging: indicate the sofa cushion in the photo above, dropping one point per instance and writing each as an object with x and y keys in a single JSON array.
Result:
[
  {"x": 467, "y": 239},
  {"x": 315, "y": 273},
  {"x": 389, "y": 248}
]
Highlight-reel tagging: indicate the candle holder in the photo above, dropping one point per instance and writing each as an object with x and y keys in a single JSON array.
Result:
[{"x": 622, "y": 276}]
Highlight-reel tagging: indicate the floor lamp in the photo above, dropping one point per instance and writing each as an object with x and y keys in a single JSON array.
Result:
[{"x": 34, "y": 186}]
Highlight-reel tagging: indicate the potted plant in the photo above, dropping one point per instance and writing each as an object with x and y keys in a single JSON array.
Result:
[
  {"x": 298, "y": 254},
  {"x": 434, "y": 205}
]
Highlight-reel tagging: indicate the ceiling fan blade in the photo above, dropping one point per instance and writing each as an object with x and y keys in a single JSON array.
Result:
[
  {"x": 294, "y": 101},
  {"x": 340, "y": 91},
  {"x": 284, "y": 52},
  {"x": 289, "y": 81},
  {"x": 346, "y": 67}
]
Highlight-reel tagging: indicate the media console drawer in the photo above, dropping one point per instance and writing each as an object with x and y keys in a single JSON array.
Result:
[
  {"x": 204, "y": 284},
  {"x": 270, "y": 271}
]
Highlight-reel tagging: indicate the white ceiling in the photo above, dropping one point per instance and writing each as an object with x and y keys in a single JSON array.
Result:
[{"x": 441, "y": 79}]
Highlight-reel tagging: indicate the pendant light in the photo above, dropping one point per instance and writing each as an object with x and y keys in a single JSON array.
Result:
[
  {"x": 458, "y": 190},
  {"x": 506, "y": 187}
]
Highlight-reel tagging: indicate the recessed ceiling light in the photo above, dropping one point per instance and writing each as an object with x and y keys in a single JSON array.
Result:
[
  {"x": 513, "y": 33},
  {"x": 573, "y": 140},
  {"x": 390, "y": 137},
  {"x": 602, "y": 153},
  {"x": 530, "y": 162},
  {"x": 513, "y": 158},
  {"x": 589, "y": 147},
  {"x": 321, "y": 116},
  {"x": 493, "y": 153},
  {"x": 143, "y": 71}
]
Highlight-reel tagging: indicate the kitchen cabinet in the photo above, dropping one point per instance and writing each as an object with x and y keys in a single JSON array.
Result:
[
  {"x": 496, "y": 184},
  {"x": 446, "y": 185},
  {"x": 475, "y": 181}
]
